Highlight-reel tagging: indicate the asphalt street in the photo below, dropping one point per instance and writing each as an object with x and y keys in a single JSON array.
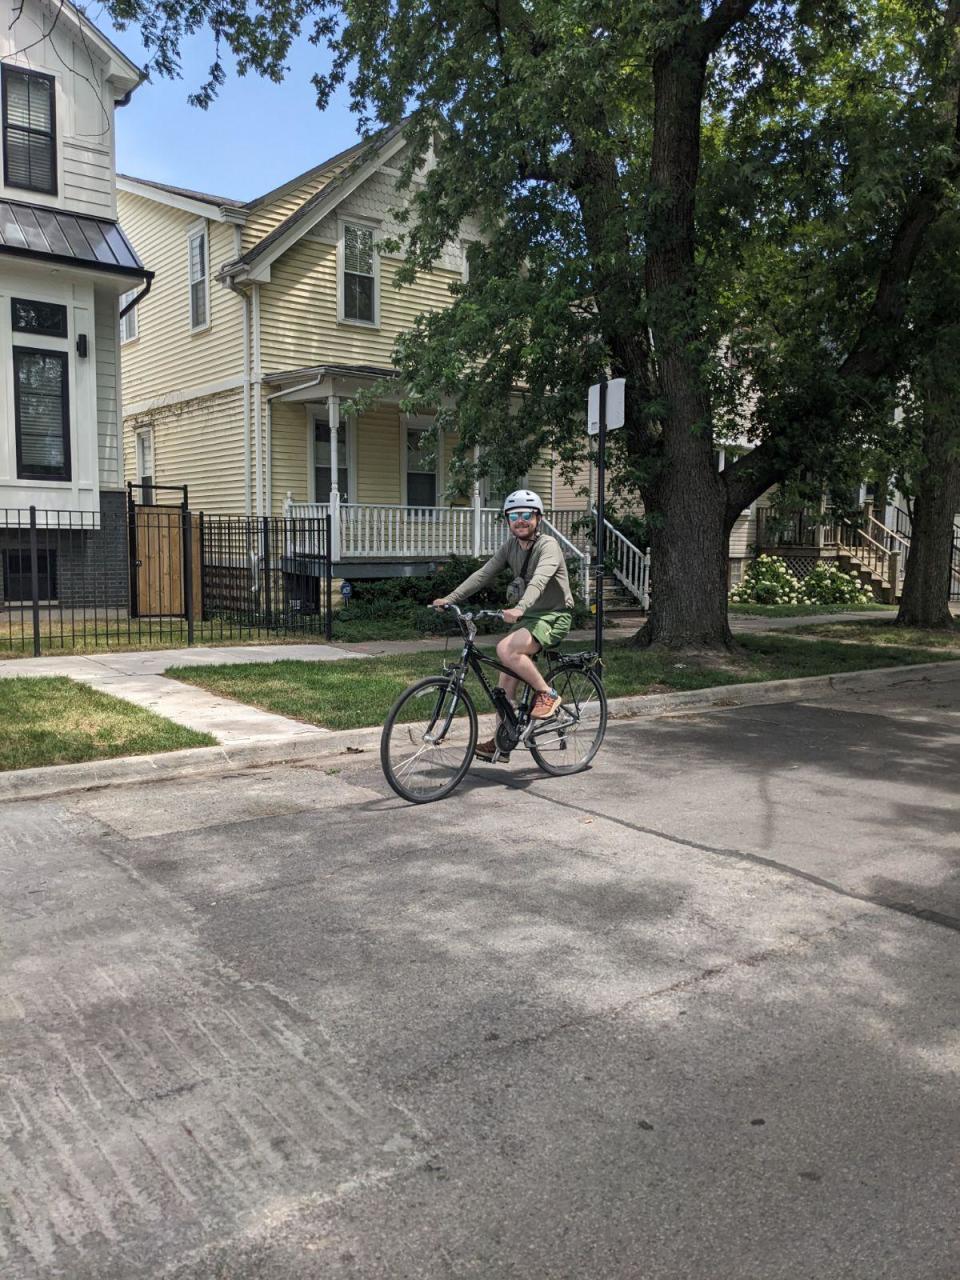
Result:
[{"x": 692, "y": 1015}]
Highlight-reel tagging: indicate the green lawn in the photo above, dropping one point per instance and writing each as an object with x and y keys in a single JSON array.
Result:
[
  {"x": 804, "y": 610},
  {"x": 357, "y": 692},
  {"x": 55, "y": 721},
  {"x": 883, "y": 632}
]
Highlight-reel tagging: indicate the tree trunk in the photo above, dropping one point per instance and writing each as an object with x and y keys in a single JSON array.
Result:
[
  {"x": 926, "y": 588},
  {"x": 689, "y": 553}
]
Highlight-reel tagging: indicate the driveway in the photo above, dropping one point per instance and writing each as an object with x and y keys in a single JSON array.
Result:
[{"x": 692, "y": 1015}]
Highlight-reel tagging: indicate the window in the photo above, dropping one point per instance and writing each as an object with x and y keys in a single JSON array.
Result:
[
  {"x": 18, "y": 576},
  {"x": 145, "y": 464},
  {"x": 359, "y": 281},
  {"x": 322, "y": 470},
  {"x": 199, "y": 299},
  {"x": 41, "y": 414},
  {"x": 128, "y": 323},
  {"x": 29, "y": 130},
  {"x": 46, "y": 318},
  {"x": 421, "y": 471}
]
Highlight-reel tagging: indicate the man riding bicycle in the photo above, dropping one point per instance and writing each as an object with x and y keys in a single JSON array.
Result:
[{"x": 540, "y": 603}]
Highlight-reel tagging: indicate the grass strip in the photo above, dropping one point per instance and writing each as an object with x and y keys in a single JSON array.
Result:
[
  {"x": 805, "y": 610},
  {"x": 883, "y": 632},
  {"x": 354, "y": 693},
  {"x": 53, "y": 720}
]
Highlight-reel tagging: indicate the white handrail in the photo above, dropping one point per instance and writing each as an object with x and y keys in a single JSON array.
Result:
[{"x": 631, "y": 565}]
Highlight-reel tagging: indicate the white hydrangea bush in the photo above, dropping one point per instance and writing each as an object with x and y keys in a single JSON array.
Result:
[
  {"x": 828, "y": 584},
  {"x": 767, "y": 581}
]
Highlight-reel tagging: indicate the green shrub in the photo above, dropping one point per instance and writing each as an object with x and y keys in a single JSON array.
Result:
[
  {"x": 404, "y": 599},
  {"x": 767, "y": 581},
  {"x": 828, "y": 584}
]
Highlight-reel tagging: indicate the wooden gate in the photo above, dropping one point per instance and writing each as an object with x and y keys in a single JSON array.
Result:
[{"x": 158, "y": 560}]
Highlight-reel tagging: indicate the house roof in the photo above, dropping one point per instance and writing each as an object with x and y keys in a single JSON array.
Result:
[
  {"x": 126, "y": 74},
  {"x": 316, "y": 207},
  {"x": 322, "y": 370},
  {"x": 202, "y": 196},
  {"x": 55, "y": 235}
]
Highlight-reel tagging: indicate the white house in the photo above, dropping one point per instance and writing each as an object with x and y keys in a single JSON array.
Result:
[{"x": 65, "y": 264}]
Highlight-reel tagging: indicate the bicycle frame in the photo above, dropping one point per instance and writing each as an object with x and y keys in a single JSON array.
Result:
[{"x": 473, "y": 660}]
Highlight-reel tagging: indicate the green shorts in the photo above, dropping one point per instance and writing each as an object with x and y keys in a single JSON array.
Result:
[{"x": 547, "y": 628}]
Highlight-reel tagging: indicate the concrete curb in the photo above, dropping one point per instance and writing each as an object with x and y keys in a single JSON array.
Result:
[{"x": 51, "y": 780}]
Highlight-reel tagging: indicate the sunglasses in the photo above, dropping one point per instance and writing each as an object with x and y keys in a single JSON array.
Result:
[{"x": 525, "y": 516}]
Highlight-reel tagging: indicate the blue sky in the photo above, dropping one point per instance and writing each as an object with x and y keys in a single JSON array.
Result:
[{"x": 254, "y": 137}]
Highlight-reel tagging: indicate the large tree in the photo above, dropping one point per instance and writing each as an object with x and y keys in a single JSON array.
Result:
[
  {"x": 929, "y": 444},
  {"x": 645, "y": 208}
]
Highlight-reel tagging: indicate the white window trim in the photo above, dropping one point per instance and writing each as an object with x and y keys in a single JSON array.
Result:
[
  {"x": 419, "y": 422},
  {"x": 374, "y": 226},
  {"x": 133, "y": 316},
  {"x": 347, "y": 442},
  {"x": 141, "y": 434},
  {"x": 198, "y": 228}
]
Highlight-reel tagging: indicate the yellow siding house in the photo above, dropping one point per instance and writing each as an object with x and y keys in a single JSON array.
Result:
[{"x": 264, "y": 320}]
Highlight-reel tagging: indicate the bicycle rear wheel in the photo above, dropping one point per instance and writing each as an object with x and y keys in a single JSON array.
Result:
[
  {"x": 569, "y": 741},
  {"x": 428, "y": 740}
]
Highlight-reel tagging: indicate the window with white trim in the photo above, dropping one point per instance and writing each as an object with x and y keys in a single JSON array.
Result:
[
  {"x": 29, "y": 130},
  {"x": 199, "y": 278},
  {"x": 41, "y": 374},
  {"x": 359, "y": 282},
  {"x": 323, "y": 469},
  {"x": 421, "y": 470},
  {"x": 128, "y": 323},
  {"x": 145, "y": 470}
]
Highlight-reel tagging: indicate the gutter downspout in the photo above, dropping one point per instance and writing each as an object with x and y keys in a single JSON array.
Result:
[
  {"x": 232, "y": 285},
  {"x": 257, "y": 406}
]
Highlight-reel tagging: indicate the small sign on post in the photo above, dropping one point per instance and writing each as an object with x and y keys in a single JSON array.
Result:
[
  {"x": 616, "y": 400},
  {"x": 605, "y": 412}
]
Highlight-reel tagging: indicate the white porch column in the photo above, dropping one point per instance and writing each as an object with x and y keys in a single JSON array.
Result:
[
  {"x": 333, "y": 417},
  {"x": 476, "y": 506}
]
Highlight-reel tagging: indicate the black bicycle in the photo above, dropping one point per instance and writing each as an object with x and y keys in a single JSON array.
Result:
[{"x": 429, "y": 736}]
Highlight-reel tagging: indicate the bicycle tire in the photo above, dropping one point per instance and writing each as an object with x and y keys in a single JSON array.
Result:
[
  {"x": 571, "y": 683},
  {"x": 448, "y": 773}
]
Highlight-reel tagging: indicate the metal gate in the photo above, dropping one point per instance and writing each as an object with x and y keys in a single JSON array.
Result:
[
  {"x": 166, "y": 579},
  {"x": 155, "y": 575}
]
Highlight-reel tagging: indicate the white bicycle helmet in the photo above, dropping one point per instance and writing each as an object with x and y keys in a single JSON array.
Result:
[{"x": 522, "y": 499}]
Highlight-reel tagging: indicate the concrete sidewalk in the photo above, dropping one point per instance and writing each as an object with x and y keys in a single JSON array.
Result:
[{"x": 138, "y": 677}]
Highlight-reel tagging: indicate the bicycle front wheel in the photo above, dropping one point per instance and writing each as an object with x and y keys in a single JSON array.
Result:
[
  {"x": 568, "y": 741},
  {"x": 428, "y": 740}
]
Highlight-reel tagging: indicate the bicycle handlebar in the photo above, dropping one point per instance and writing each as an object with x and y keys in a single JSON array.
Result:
[{"x": 468, "y": 617}]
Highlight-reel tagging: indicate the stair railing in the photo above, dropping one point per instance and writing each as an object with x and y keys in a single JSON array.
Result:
[
  {"x": 631, "y": 565},
  {"x": 873, "y": 555}
]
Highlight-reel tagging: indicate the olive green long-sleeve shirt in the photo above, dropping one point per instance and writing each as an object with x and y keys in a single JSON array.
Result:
[{"x": 547, "y": 583}]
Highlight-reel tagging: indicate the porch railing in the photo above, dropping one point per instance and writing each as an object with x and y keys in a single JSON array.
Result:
[{"x": 631, "y": 565}]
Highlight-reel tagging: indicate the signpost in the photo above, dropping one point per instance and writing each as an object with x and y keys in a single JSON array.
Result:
[{"x": 605, "y": 412}]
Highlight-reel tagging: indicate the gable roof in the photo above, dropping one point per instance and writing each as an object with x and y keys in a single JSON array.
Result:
[
  {"x": 227, "y": 209},
  {"x": 126, "y": 75},
  {"x": 369, "y": 155},
  {"x": 203, "y": 196}
]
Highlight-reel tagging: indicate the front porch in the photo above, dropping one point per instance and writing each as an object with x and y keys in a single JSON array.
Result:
[{"x": 373, "y": 540}]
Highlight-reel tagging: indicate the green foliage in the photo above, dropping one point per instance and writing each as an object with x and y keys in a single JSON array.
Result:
[
  {"x": 767, "y": 581},
  {"x": 828, "y": 584}
]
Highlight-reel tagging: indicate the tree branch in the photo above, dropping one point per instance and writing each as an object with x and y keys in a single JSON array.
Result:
[{"x": 721, "y": 19}]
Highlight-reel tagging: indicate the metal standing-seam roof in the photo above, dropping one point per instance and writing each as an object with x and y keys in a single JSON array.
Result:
[{"x": 74, "y": 239}]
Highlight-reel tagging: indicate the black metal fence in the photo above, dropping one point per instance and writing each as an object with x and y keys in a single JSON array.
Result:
[{"x": 158, "y": 575}]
